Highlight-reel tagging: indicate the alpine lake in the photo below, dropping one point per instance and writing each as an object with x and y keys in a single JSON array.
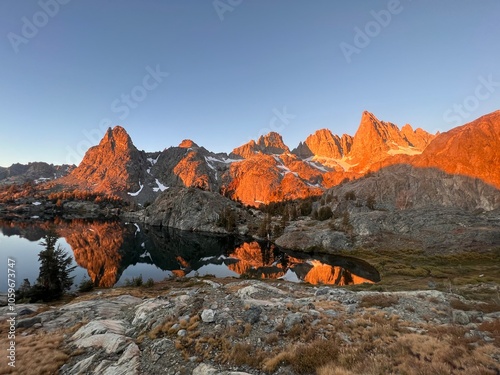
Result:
[{"x": 116, "y": 253}]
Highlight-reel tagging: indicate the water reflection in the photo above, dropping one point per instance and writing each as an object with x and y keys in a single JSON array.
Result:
[{"x": 111, "y": 251}]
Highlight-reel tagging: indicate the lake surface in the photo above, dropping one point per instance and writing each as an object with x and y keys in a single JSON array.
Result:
[{"x": 110, "y": 252}]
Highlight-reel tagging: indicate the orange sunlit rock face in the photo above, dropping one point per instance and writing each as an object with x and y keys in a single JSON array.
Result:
[
  {"x": 378, "y": 140},
  {"x": 262, "y": 179},
  {"x": 269, "y": 144},
  {"x": 324, "y": 144},
  {"x": 187, "y": 143},
  {"x": 112, "y": 166},
  {"x": 191, "y": 173},
  {"x": 471, "y": 150},
  {"x": 96, "y": 247}
]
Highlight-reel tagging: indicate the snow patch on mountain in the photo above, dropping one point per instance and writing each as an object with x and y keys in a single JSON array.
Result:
[
  {"x": 404, "y": 151},
  {"x": 137, "y": 192},
  {"x": 160, "y": 186}
]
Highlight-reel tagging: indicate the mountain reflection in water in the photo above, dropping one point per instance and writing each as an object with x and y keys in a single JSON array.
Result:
[{"x": 107, "y": 248}]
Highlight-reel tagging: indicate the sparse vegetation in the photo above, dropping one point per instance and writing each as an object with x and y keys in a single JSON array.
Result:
[
  {"x": 306, "y": 208},
  {"x": 415, "y": 269},
  {"x": 227, "y": 219},
  {"x": 265, "y": 227},
  {"x": 36, "y": 354},
  {"x": 135, "y": 281},
  {"x": 370, "y": 202},
  {"x": 350, "y": 196},
  {"x": 86, "y": 285},
  {"x": 325, "y": 213},
  {"x": 378, "y": 300}
]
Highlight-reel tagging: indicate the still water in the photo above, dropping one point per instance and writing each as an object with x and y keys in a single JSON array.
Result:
[{"x": 109, "y": 252}]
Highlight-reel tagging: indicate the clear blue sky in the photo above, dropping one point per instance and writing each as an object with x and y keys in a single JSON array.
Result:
[{"x": 231, "y": 69}]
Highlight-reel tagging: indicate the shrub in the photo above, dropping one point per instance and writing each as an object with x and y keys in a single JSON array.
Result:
[
  {"x": 308, "y": 358},
  {"x": 325, "y": 213},
  {"x": 350, "y": 196},
  {"x": 136, "y": 281},
  {"x": 346, "y": 221},
  {"x": 306, "y": 208},
  {"x": 264, "y": 227},
  {"x": 227, "y": 219},
  {"x": 370, "y": 202},
  {"x": 379, "y": 300},
  {"x": 86, "y": 285}
]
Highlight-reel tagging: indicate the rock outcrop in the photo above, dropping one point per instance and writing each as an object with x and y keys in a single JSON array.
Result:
[
  {"x": 403, "y": 207},
  {"x": 113, "y": 166},
  {"x": 193, "y": 210},
  {"x": 470, "y": 150}
]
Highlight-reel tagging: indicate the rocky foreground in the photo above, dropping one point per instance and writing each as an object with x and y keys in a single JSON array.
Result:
[{"x": 209, "y": 326}]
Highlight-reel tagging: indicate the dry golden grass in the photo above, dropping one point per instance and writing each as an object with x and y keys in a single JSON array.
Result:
[
  {"x": 36, "y": 354},
  {"x": 493, "y": 328},
  {"x": 306, "y": 358},
  {"x": 332, "y": 369},
  {"x": 485, "y": 307},
  {"x": 246, "y": 354},
  {"x": 380, "y": 300},
  {"x": 303, "y": 358}
]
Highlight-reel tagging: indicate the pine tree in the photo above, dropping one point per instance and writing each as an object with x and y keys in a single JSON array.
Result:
[{"x": 55, "y": 268}]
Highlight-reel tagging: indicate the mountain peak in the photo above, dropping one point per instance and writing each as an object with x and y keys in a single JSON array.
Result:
[
  {"x": 116, "y": 136},
  {"x": 376, "y": 140},
  {"x": 187, "y": 143},
  {"x": 272, "y": 143},
  {"x": 113, "y": 165},
  {"x": 322, "y": 143}
]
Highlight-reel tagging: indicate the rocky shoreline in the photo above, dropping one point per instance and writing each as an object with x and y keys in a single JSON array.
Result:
[{"x": 228, "y": 326}]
